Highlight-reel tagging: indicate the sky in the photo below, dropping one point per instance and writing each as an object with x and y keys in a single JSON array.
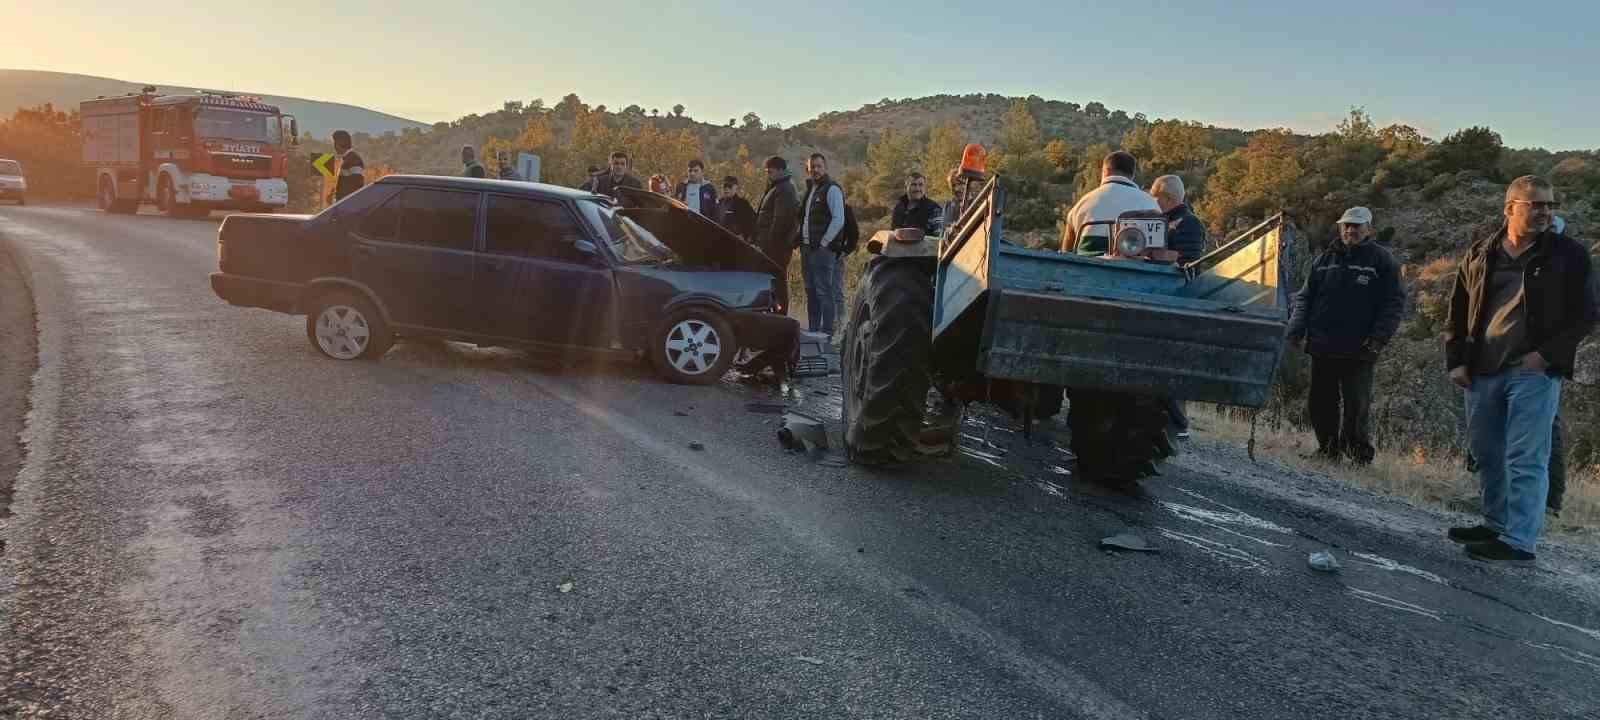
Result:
[{"x": 1524, "y": 69}]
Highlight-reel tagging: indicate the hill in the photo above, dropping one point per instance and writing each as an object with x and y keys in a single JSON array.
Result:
[{"x": 30, "y": 88}]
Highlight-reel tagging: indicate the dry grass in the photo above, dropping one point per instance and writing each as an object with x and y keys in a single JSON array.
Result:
[{"x": 1428, "y": 476}]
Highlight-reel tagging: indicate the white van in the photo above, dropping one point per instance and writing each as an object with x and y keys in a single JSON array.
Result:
[{"x": 12, "y": 184}]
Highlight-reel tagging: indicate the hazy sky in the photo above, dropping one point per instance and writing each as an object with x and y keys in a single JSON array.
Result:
[{"x": 1524, "y": 68}]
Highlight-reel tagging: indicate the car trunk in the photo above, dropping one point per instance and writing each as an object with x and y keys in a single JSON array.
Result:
[
  {"x": 271, "y": 247},
  {"x": 698, "y": 241}
]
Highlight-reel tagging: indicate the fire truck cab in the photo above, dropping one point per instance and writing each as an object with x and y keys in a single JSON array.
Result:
[{"x": 188, "y": 154}]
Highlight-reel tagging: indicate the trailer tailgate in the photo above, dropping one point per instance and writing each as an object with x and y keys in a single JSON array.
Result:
[{"x": 1108, "y": 344}]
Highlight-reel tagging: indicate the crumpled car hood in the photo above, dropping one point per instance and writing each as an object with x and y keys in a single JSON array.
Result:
[{"x": 698, "y": 241}]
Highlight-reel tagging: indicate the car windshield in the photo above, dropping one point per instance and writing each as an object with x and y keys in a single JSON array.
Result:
[
  {"x": 630, "y": 243},
  {"x": 238, "y": 125},
  {"x": 10, "y": 167}
]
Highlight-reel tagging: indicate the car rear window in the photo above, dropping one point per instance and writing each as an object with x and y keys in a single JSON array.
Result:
[
  {"x": 532, "y": 228},
  {"x": 441, "y": 218}
]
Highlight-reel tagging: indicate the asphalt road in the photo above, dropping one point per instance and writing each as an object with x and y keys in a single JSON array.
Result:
[{"x": 213, "y": 521}]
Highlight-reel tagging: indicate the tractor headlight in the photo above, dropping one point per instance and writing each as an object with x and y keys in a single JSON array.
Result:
[{"x": 1131, "y": 242}]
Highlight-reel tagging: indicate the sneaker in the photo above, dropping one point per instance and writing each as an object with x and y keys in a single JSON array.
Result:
[
  {"x": 1496, "y": 551},
  {"x": 1481, "y": 533}
]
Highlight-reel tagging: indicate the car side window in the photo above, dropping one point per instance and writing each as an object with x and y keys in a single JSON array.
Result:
[
  {"x": 533, "y": 228},
  {"x": 438, "y": 218},
  {"x": 380, "y": 223}
]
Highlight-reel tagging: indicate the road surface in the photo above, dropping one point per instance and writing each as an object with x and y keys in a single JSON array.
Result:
[{"x": 214, "y": 521}]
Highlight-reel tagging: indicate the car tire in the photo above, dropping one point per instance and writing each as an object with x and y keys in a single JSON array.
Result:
[
  {"x": 109, "y": 202},
  {"x": 694, "y": 346},
  {"x": 887, "y": 362},
  {"x": 344, "y": 325}
]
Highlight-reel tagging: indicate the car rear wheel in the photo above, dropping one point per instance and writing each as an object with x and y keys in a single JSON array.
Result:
[
  {"x": 345, "y": 326},
  {"x": 694, "y": 347}
]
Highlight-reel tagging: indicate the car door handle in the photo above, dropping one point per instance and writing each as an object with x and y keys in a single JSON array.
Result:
[{"x": 491, "y": 266}]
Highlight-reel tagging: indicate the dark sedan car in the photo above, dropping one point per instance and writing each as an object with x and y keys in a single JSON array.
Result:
[{"x": 510, "y": 264}]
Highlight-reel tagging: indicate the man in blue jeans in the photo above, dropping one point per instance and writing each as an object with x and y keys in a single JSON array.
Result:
[
  {"x": 1524, "y": 299},
  {"x": 821, "y": 220}
]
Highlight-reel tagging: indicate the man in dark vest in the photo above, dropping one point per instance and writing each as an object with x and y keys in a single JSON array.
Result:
[
  {"x": 821, "y": 221},
  {"x": 776, "y": 220}
]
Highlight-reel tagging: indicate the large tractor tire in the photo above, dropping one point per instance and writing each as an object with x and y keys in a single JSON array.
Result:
[
  {"x": 887, "y": 365},
  {"x": 1118, "y": 438}
]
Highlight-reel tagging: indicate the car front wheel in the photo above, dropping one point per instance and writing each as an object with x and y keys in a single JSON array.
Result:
[
  {"x": 345, "y": 326},
  {"x": 694, "y": 347}
]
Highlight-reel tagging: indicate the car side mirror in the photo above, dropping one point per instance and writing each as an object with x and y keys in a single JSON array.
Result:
[{"x": 589, "y": 252}]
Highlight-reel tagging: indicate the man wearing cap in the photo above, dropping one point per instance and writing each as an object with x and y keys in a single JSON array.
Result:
[
  {"x": 1524, "y": 299},
  {"x": 1117, "y": 194},
  {"x": 1344, "y": 316},
  {"x": 734, "y": 212}
]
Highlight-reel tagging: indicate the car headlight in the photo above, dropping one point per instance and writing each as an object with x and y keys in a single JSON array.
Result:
[{"x": 1131, "y": 242}]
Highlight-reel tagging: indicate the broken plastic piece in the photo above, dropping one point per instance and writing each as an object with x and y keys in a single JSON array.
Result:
[
  {"x": 1323, "y": 561},
  {"x": 1127, "y": 541}
]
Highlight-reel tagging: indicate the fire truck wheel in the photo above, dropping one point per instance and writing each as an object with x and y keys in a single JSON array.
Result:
[{"x": 887, "y": 363}]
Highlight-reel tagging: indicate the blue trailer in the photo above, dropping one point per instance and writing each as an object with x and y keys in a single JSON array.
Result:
[{"x": 981, "y": 319}]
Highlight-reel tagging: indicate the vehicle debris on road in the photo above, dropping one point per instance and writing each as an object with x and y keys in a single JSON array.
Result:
[{"x": 1323, "y": 561}]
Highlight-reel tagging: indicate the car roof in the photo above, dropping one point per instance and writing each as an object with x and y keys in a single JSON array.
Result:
[{"x": 511, "y": 187}]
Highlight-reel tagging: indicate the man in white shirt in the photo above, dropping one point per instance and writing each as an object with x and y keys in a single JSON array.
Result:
[
  {"x": 1117, "y": 194},
  {"x": 695, "y": 192}
]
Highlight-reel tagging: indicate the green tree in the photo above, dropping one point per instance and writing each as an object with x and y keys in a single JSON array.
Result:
[
  {"x": 1475, "y": 149},
  {"x": 1253, "y": 181},
  {"x": 1019, "y": 130},
  {"x": 1059, "y": 153},
  {"x": 945, "y": 145},
  {"x": 889, "y": 161},
  {"x": 677, "y": 110}
]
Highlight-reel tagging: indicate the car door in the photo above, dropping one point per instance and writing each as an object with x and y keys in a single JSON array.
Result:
[
  {"x": 534, "y": 282},
  {"x": 416, "y": 252}
]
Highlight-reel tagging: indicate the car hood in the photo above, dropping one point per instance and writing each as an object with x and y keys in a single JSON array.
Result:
[{"x": 698, "y": 242}]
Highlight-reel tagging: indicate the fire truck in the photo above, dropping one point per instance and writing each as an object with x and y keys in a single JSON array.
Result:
[{"x": 187, "y": 154}]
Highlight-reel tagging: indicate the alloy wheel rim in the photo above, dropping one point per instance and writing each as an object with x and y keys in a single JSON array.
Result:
[
  {"x": 343, "y": 332},
  {"x": 693, "y": 346}
]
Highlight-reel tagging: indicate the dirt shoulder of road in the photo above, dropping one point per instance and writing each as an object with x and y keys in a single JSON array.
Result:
[{"x": 18, "y": 358}]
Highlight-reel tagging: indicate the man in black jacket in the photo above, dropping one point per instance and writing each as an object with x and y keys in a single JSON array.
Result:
[
  {"x": 734, "y": 212},
  {"x": 1185, "y": 232},
  {"x": 915, "y": 209},
  {"x": 618, "y": 177},
  {"x": 777, "y": 218},
  {"x": 1524, "y": 299},
  {"x": 1347, "y": 312},
  {"x": 352, "y": 172}
]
